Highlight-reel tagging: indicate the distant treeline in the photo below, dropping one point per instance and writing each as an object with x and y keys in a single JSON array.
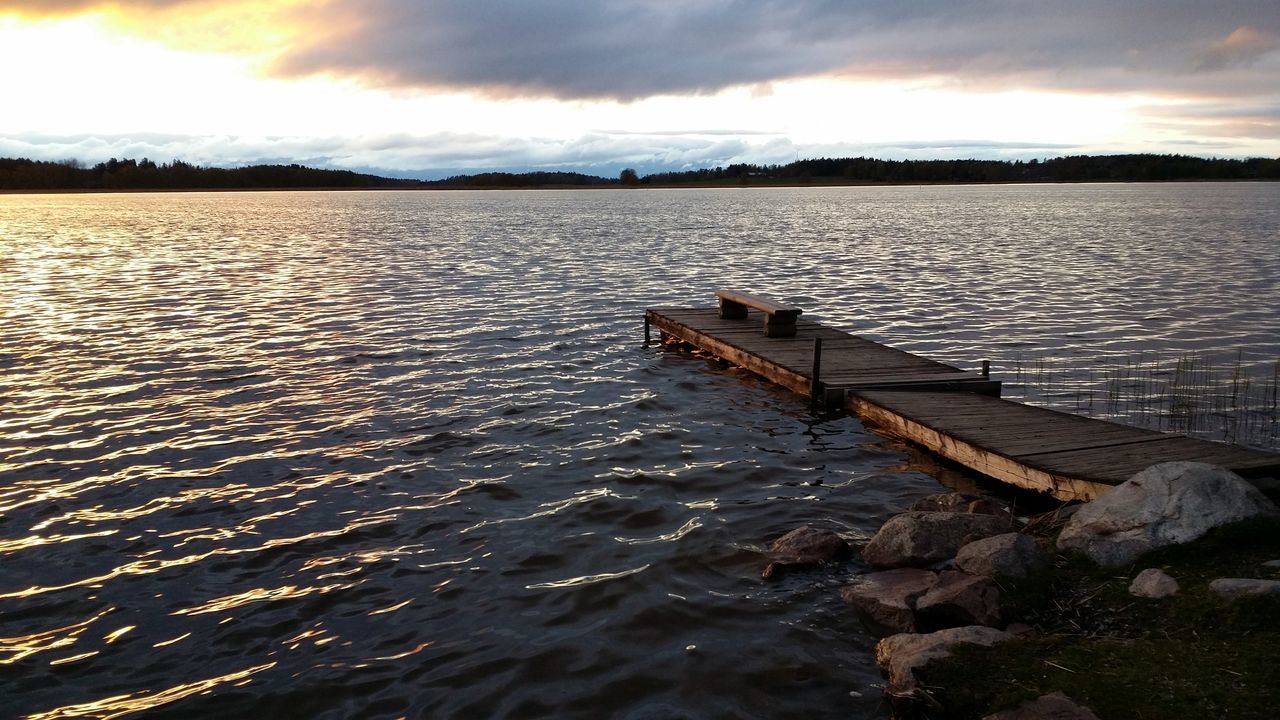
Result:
[
  {"x": 21, "y": 174},
  {"x": 1078, "y": 168},
  {"x": 522, "y": 180}
]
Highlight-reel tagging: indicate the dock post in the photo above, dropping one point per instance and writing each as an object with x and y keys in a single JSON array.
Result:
[
  {"x": 815, "y": 399},
  {"x": 646, "y": 330},
  {"x": 986, "y": 368}
]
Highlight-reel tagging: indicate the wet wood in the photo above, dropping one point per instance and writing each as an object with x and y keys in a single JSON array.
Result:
[{"x": 953, "y": 412}]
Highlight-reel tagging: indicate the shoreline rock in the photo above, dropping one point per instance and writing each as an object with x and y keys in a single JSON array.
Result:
[
  {"x": 803, "y": 547},
  {"x": 918, "y": 537},
  {"x": 901, "y": 655},
  {"x": 1165, "y": 504}
]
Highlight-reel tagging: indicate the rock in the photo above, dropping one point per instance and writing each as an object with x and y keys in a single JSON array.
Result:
[
  {"x": 1153, "y": 583},
  {"x": 1165, "y": 504},
  {"x": 804, "y": 546},
  {"x": 1273, "y": 564},
  {"x": 958, "y": 502},
  {"x": 923, "y": 538},
  {"x": 1232, "y": 588},
  {"x": 899, "y": 656},
  {"x": 960, "y": 599},
  {"x": 886, "y": 600},
  {"x": 1054, "y": 706},
  {"x": 1011, "y": 554}
]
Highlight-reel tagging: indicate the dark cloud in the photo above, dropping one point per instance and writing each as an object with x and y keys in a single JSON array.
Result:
[
  {"x": 636, "y": 48},
  {"x": 628, "y": 49}
]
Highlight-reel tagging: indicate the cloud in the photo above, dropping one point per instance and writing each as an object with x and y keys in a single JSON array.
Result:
[
  {"x": 1244, "y": 46},
  {"x": 631, "y": 49},
  {"x": 628, "y": 49}
]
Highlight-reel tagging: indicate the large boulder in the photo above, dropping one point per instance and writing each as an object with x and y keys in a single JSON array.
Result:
[
  {"x": 802, "y": 547},
  {"x": 886, "y": 600},
  {"x": 960, "y": 599},
  {"x": 1012, "y": 554},
  {"x": 1165, "y": 504},
  {"x": 900, "y": 656},
  {"x": 920, "y": 538},
  {"x": 1054, "y": 706}
]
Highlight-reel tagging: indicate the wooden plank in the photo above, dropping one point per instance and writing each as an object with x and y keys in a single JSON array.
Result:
[
  {"x": 971, "y": 455},
  {"x": 778, "y": 374}
]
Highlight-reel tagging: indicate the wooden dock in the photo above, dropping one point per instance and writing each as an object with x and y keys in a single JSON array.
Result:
[{"x": 955, "y": 413}]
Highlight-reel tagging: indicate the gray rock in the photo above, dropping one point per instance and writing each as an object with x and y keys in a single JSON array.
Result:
[
  {"x": 1153, "y": 583},
  {"x": 899, "y": 656},
  {"x": 923, "y": 538},
  {"x": 1232, "y": 588},
  {"x": 1054, "y": 706},
  {"x": 1012, "y": 554},
  {"x": 1165, "y": 504},
  {"x": 804, "y": 546},
  {"x": 886, "y": 600},
  {"x": 1273, "y": 564},
  {"x": 960, "y": 599}
]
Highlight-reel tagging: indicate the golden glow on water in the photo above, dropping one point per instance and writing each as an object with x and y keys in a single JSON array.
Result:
[
  {"x": 55, "y": 639},
  {"x": 121, "y": 705},
  {"x": 257, "y": 595},
  {"x": 117, "y": 634},
  {"x": 166, "y": 643}
]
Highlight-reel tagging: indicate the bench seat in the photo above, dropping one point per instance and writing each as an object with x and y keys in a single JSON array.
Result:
[{"x": 779, "y": 319}]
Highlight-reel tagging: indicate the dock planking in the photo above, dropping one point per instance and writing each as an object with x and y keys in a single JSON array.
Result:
[{"x": 954, "y": 413}]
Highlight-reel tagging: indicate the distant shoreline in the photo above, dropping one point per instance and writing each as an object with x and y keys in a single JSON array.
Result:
[
  {"x": 647, "y": 186},
  {"x": 21, "y": 175}
]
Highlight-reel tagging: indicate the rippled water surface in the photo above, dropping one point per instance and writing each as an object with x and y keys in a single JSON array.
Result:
[{"x": 389, "y": 455}]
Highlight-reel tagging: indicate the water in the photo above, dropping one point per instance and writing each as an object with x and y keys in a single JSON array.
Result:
[{"x": 402, "y": 454}]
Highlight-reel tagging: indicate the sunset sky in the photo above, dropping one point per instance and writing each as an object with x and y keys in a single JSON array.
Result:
[{"x": 427, "y": 88}]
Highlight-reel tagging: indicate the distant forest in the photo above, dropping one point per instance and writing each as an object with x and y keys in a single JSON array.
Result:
[{"x": 22, "y": 174}]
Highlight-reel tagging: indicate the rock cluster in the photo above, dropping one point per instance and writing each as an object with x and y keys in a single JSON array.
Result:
[
  {"x": 933, "y": 586},
  {"x": 917, "y": 598}
]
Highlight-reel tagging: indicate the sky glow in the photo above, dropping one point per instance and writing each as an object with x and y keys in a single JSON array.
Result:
[{"x": 362, "y": 84}]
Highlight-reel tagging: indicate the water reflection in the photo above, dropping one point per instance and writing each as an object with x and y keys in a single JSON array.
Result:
[{"x": 401, "y": 454}]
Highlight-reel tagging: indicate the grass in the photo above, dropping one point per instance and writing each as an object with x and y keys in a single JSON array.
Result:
[
  {"x": 1227, "y": 398},
  {"x": 1189, "y": 656}
]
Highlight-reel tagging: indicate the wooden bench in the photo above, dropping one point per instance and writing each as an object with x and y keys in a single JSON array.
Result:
[{"x": 779, "y": 319}]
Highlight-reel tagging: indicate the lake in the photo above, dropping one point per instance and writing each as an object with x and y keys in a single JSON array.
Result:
[{"x": 402, "y": 454}]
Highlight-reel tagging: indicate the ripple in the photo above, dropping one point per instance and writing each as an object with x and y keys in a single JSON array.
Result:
[{"x": 403, "y": 454}]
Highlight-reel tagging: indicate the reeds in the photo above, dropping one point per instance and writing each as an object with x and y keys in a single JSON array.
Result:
[{"x": 1227, "y": 398}]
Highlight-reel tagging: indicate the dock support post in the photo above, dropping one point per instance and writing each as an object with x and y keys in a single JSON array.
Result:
[
  {"x": 815, "y": 398},
  {"x": 986, "y": 368},
  {"x": 646, "y": 330}
]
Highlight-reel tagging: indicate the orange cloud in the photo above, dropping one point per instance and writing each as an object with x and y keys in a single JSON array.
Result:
[{"x": 1244, "y": 46}]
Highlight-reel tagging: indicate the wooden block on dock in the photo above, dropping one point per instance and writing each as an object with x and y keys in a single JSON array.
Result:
[{"x": 779, "y": 319}]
